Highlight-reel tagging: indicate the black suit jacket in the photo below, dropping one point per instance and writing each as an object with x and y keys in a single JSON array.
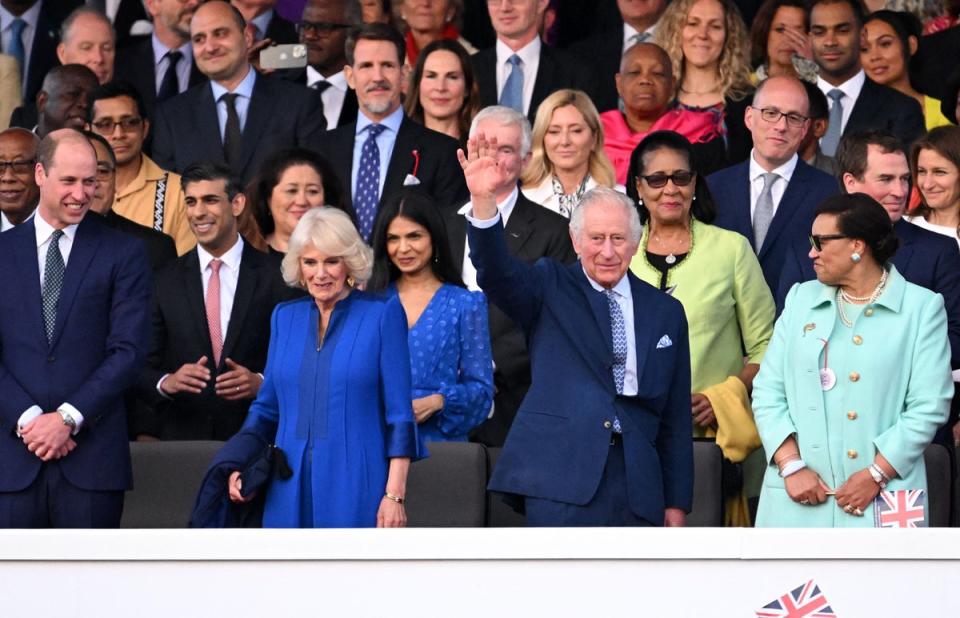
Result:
[
  {"x": 161, "y": 250},
  {"x": 128, "y": 13},
  {"x": 935, "y": 61},
  {"x": 43, "y": 53},
  {"x": 281, "y": 115},
  {"x": 438, "y": 160},
  {"x": 532, "y": 232},
  {"x": 181, "y": 335},
  {"x": 880, "y": 107},
  {"x": 137, "y": 65},
  {"x": 603, "y": 52},
  {"x": 24, "y": 116},
  {"x": 281, "y": 31},
  {"x": 350, "y": 108},
  {"x": 558, "y": 69}
]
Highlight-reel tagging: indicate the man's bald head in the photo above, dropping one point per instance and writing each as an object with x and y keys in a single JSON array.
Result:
[
  {"x": 18, "y": 187},
  {"x": 62, "y": 101}
]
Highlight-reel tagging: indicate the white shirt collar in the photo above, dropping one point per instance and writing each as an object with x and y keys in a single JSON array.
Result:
[
  {"x": 528, "y": 53},
  {"x": 850, "y": 88},
  {"x": 337, "y": 80},
  {"x": 45, "y": 230},
  {"x": 5, "y": 223},
  {"x": 785, "y": 171},
  {"x": 505, "y": 207},
  {"x": 231, "y": 258},
  {"x": 160, "y": 50},
  {"x": 31, "y": 16},
  {"x": 392, "y": 121},
  {"x": 621, "y": 289},
  {"x": 244, "y": 88}
]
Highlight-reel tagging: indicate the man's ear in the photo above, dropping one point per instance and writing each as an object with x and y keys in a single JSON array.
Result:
[
  {"x": 42, "y": 99},
  {"x": 238, "y": 203},
  {"x": 848, "y": 180},
  {"x": 146, "y": 128},
  {"x": 61, "y": 56},
  {"x": 819, "y": 127},
  {"x": 348, "y": 74}
]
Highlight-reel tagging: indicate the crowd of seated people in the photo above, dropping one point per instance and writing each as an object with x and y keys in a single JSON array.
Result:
[{"x": 451, "y": 214}]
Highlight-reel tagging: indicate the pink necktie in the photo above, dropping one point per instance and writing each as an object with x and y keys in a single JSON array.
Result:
[{"x": 213, "y": 311}]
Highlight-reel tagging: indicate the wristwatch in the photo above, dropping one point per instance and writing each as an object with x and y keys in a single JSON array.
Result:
[
  {"x": 877, "y": 475},
  {"x": 68, "y": 421}
]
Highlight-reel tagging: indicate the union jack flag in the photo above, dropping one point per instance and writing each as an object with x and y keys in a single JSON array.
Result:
[
  {"x": 904, "y": 508},
  {"x": 804, "y": 601}
]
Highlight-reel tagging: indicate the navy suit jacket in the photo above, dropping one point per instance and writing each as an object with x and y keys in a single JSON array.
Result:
[
  {"x": 791, "y": 223},
  {"x": 925, "y": 258},
  {"x": 99, "y": 345},
  {"x": 560, "y": 440},
  {"x": 882, "y": 107}
]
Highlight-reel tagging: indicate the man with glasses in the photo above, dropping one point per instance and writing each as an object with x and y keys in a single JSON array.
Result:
[
  {"x": 323, "y": 30},
  {"x": 770, "y": 198},
  {"x": 145, "y": 193},
  {"x": 18, "y": 187}
]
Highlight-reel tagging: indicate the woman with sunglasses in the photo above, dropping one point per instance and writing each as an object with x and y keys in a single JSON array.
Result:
[
  {"x": 712, "y": 271},
  {"x": 856, "y": 380}
]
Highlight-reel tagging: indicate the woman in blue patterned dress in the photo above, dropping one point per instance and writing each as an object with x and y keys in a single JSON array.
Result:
[{"x": 450, "y": 359}]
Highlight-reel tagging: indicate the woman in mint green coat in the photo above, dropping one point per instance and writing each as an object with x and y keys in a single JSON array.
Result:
[{"x": 856, "y": 379}]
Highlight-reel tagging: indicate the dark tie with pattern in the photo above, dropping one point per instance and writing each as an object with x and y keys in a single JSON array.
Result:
[
  {"x": 52, "y": 282},
  {"x": 366, "y": 198},
  {"x": 619, "y": 332},
  {"x": 232, "y": 137},
  {"x": 170, "y": 86}
]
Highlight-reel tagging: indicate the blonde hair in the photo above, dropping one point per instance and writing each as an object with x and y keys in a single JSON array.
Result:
[
  {"x": 540, "y": 167},
  {"x": 330, "y": 231},
  {"x": 734, "y": 62}
]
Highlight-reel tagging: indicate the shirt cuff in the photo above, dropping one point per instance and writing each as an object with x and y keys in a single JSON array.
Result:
[
  {"x": 483, "y": 224},
  {"x": 74, "y": 414},
  {"x": 160, "y": 390},
  {"x": 28, "y": 415}
]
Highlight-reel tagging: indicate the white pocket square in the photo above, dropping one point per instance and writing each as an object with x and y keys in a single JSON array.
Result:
[
  {"x": 664, "y": 342},
  {"x": 411, "y": 181}
]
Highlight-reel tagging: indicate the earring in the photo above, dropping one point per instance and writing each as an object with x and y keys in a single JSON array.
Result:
[
  {"x": 351, "y": 281},
  {"x": 436, "y": 258},
  {"x": 639, "y": 202},
  {"x": 694, "y": 198},
  {"x": 855, "y": 257}
]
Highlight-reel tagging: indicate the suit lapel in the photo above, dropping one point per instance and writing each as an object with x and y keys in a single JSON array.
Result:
[
  {"x": 207, "y": 124},
  {"x": 641, "y": 335},
  {"x": 743, "y": 223},
  {"x": 602, "y": 347},
  {"x": 457, "y": 231},
  {"x": 864, "y": 109},
  {"x": 29, "y": 269},
  {"x": 486, "y": 73},
  {"x": 543, "y": 82},
  {"x": 789, "y": 208},
  {"x": 350, "y": 108},
  {"x": 247, "y": 283},
  {"x": 401, "y": 159},
  {"x": 258, "y": 117},
  {"x": 85, "y": 245},
  {"x": 341, "y": 142},
  {"x": 519, "y": 225},
  {"x": 192, "y": 282}
]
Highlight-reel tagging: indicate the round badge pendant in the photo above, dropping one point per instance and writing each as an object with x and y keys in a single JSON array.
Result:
[{"x": 828, "y": 379}]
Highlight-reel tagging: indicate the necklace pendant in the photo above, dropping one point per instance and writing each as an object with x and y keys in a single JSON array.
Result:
[{"x": 671, "y": 259}]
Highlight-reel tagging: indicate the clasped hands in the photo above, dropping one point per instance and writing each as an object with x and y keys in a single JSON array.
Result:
[
  {"x": 233, "y": 385},
  {"x": 854, "y": 496},
  {"x": 48, "y": 437}
]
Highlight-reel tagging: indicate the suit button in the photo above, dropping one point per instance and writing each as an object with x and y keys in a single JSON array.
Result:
[
  {"x": 607, "y": 424},
  {"x": 852, "y": 454},
  {"x": 51, "y": 359},
  {"x": 852, "y": 415},
  {"x": 868, "y": 312},
  {"x": 857, "y": 340},
  {"x": 854, "y": 376}
]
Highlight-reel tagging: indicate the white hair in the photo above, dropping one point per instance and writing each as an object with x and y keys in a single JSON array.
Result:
[
  {"x": 330, "y": 231},
  {"x": 506, "y": 116},
  {"x": 606, "y": 196}
]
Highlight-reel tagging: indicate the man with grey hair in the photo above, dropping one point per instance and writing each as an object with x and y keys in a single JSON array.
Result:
[
  {"x": 602, "y": 438},
  {"x": 531, "y": 232},
  {"x": 87, "y": 38}
]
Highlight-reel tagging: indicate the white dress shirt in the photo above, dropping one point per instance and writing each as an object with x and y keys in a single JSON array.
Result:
[
  {"x": 784, "y": 174},
  {"x": 629, "y": 32},
  {"x": 504, "y": 208},
  {"x": 5, "y": 223},
  {"x": 530, "y": 57},
  {"x": 162, "y": 62},
  {"x": 241, "y": 103},
  {"x": 31, "y": 16},
  {"x": 333, "y": 96},
  {"x": 44, "y": 232},
  {"x": 851, "y": 92},
  {"x": 622, "y": 294}
]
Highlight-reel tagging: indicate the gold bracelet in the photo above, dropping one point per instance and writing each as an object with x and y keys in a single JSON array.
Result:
[{"x": 390, "y": 496}]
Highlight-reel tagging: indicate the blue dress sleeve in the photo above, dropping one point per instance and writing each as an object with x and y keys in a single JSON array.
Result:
[
  {"x": 264, "y": 414},
  {"x": 400, "y": 437},
  {"x": 467, "y": 402}
]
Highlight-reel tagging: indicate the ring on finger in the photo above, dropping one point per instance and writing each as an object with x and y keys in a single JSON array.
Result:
[
  {"x": 805, "y": 502},
  {"x": 858, "y": 512},
  {"x": 848, "y": 508}
]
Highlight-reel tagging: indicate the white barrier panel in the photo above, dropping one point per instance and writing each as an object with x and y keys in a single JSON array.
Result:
[{"x": 477, "y": 572}]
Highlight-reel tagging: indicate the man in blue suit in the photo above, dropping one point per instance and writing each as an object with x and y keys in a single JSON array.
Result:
[
  {"x": 602, "y": 437},
  {"x": 74, "y": 319},
  {"x": 873, "y": 162},
  {"x": 770, "y": 198}
]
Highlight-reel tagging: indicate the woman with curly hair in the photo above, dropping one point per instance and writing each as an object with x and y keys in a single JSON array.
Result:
[
  {"x": 779, "y": 44},
  {"x": 708, "y": 44}
]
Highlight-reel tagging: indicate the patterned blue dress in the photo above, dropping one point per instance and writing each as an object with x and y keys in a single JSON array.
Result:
[{"x": 450, "y": 354}]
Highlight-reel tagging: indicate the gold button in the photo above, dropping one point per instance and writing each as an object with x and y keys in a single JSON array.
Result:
[
  {"x": 854, "y": 376},
  {"x": 852, "y": 415},
  {"x": 868, "y": 312},
  {"x": 857, "y": 340},
  {"x": 852, "y": 454},
  {"x": 607, "y": 424}
]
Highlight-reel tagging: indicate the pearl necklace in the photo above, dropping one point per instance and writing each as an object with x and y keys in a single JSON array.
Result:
[{"x": 844, "y": 298}]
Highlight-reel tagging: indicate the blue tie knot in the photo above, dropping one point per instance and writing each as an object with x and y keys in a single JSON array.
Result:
[
  {"x": 836, "y": 94},
  {"x": 376, "y": 129},
  {"x": 515, "y": 60},
  {"x": 17, "y": 26}
]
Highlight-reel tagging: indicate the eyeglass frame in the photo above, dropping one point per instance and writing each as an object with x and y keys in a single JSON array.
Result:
[
  {"x": 10, "y": 164},
  {"x": 118, "y": 123},
  {"x": 792, "y": 118},
  {"x": 669, "y": 178},
  {"x": 816, "y": 240}
]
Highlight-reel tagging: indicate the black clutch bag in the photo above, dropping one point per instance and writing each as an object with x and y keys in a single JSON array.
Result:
[{"x": 272, "y": 463}]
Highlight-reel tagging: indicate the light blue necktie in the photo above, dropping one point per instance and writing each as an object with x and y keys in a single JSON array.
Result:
[
  {"x": 619, "y": 332},
  {"x": 763, "y": 213},
  {"x": 15, "y": 46},
  {"x": 52, "y": 282},
  {"x": 366, "y": 197},
  {"x": 512, "y": 95},
  {"x": 829, "y": 142}
]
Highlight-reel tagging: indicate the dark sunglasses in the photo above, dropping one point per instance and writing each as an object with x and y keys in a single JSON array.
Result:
[
  {"x": 679, "y": 179},
  {"x": 816, "y": 240},
  {"x": 319, "y": 27}
]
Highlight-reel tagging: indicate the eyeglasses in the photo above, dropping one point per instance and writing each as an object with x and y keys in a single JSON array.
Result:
[
  {"x": 773, "y": 116},
  {"x": 20, "y": 167},
  {"x": 679, "y": 179},
  {"x": 127, "y": 124},
  {"x": 319, "y": 27},
  {"x": 816, "y": 240}
]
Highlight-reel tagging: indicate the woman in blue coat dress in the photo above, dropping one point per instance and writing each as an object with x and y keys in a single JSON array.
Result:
[
  {"x": 450, "y": 358},
  {"x": 856, "y": 379},
  {"x": 336, "y": 390}
]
